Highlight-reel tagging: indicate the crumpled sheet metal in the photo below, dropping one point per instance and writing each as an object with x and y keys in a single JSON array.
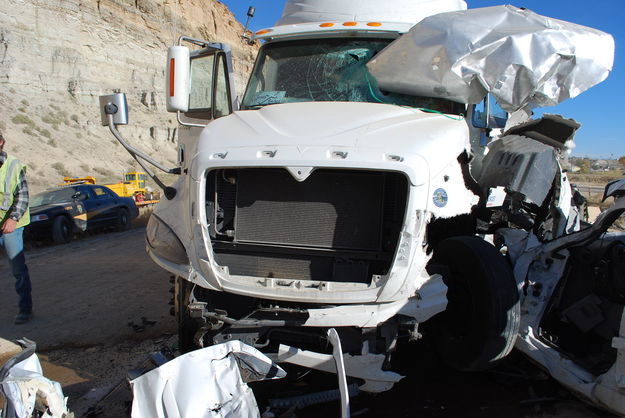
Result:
[
  {"x": 27, "y": 390},
  {"x": 522, "y": 58},
  {"x": 210, "y": 382}
]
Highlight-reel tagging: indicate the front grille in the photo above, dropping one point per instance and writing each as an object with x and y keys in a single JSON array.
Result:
[
  {"x": 327, "y": 210},
  {"x": 337, "y": 225}
]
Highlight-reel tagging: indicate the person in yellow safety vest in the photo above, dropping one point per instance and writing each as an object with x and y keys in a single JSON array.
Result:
[{"x": 14, "y": 215}]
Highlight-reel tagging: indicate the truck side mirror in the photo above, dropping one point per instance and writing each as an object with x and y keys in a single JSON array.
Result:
[
  {"x": 177, "y": 80},
  {"x": 114, "y": 111},
  {"x": 199, "y": 82},
  {"x": 116, "y": 105}
]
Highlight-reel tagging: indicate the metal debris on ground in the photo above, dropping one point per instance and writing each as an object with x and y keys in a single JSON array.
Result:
[
  {"x": 27, "y": 391},
  {"x": 210, "y": 382}
]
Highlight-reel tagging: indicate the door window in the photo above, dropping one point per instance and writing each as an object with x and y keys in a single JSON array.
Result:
[
  {"x": 100, "y": 193},
  {"x": 201, "y": 93},
  {"x": 209, "y": 96}
]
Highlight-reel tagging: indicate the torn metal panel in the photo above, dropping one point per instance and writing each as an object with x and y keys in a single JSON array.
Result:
[
  {"x": 27, "y": 391},
  {"x": 520, "y": 165},
  {"x": 522, "y": 58},
  {"x": 210, "y": 382},
  {"x": 552, "y": 130},
  {"x": 366, "y": 367},
  {"x": 570, "y": 301},
  {"x": 614, "y": 189}
]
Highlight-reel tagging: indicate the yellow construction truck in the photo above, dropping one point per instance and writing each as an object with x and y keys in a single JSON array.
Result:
[{"x": 133, "y": 186}]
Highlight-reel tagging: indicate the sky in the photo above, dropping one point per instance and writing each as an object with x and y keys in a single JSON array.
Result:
[{"x": 597, "y": 109}]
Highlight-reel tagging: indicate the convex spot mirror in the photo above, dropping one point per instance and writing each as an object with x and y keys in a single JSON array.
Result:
[{"x": 488, "y": 115}]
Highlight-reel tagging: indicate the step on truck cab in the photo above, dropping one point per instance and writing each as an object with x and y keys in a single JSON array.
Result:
[{"x": 319, "y": 200}]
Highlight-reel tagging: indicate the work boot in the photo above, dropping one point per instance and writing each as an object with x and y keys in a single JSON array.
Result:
[{"x": 23, "y": 317}]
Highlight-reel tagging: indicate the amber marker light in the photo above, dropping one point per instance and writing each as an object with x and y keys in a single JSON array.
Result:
[
  {"x": 350, "y": 23},
  {"x": 375, "y": 24},
  {"x": 172, "y": 74},
  {"x": 326, "y": 25},
  {"x": 262, "y": 32}
]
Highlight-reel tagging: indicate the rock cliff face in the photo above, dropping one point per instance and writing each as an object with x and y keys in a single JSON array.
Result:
[{"x": 58, "y": 56}]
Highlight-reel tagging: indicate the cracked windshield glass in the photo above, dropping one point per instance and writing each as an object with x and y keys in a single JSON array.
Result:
[{"x": 326, "y": 70}]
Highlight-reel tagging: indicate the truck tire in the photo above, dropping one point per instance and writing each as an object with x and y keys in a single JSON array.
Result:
[
  {"x": 123, "y": 220},
  {"x": 61, "y": 230},
  {"x": 480, "y": 324}
]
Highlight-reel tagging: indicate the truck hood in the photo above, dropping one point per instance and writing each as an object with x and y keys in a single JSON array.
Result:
[{"x": 365, "y": 127}]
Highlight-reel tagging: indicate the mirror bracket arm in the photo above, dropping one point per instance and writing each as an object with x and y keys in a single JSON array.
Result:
[
  {"x": 181, "y": 122},
  {"x": 142, "y": 158}
]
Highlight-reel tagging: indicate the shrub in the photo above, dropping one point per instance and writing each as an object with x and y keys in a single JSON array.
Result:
[
  {"x": 22, "y": 120},
  {"x": 25, "y": 102},
  {"x": 52, "y": 142},
  {"x": 55, "y": 118},
  {"x": 43, "y": 132},
  {"x": 60, "y": 168}
]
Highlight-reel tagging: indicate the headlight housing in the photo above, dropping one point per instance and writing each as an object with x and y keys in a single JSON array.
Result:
[
  {"x": 162, "y": 240},
  {"x": 37, "y": 218}
]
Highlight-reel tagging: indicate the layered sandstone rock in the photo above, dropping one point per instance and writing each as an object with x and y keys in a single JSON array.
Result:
[{"x": 58, "y": 56}]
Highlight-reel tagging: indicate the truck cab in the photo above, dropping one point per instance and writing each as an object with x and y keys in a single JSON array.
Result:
[{"x": 321, "y": 201}]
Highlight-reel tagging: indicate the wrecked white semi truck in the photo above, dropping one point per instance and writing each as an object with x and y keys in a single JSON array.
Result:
[{"x": 365, "y": 183}]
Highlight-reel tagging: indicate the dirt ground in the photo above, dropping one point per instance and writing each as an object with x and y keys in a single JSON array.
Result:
[{"x": 101, "y": 307}]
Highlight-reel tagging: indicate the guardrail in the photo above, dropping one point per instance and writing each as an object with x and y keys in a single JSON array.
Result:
[{"x": 588, "y": 190}]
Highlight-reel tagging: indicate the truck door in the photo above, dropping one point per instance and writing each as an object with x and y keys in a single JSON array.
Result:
[
  {"x": 200, "y": 88},
  {"x": 200, "y": 82}
]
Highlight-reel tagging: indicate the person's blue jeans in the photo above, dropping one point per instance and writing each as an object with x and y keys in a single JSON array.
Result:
[{"x": 13, "y": 244}]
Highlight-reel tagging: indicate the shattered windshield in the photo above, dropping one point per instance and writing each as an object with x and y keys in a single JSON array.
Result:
[{"x": 326, "y": 70}]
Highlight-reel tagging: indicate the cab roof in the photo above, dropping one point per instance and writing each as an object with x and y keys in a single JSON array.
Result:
[{"x": 309, "y": 18}]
